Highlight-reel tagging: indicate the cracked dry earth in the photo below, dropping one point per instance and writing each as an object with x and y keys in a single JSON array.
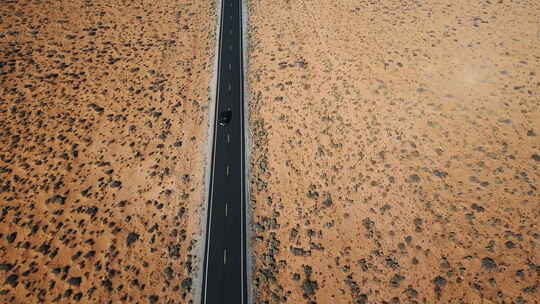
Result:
[
  {"x": 103, "y": 117},
  {"x": 396, "y": 151}
]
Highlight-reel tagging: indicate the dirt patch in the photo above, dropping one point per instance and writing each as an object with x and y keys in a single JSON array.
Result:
[
  {"x": 395, "y": 151},
  {"x": 103, "y": 124}
]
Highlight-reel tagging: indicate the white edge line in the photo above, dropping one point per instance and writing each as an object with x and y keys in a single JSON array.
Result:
[
  {"x": 247, "y": 144},
  {"x": 242, "y": 203},
  {"x": 242, "y": 184}
]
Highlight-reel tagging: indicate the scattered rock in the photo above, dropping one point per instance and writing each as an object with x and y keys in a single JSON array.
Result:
[
  {"x": 478, "y": 208},
  {"x": 395, "y": 281},
  {"x": 174, "y": 251},
  {"x": 309, "y": 287},
  {"x": 439, "y": 281},
  {"x": 413, "y": 179},
  {"x": 153, "y": 299},
  {"x": 131, "y": 238},
  {"x": 488, "y": 263},
  {"x": 75, "y": 281},
  {"x": 12, "y": 280},
  {"x": 96, "y": 108},
  {"x": 10, "y": 238},
  {"x": 186, "y": 284},
  {"x": 327, "y": 202},
  {"x": 300, "y": 251},
  {"x": 116, "y": 184}
]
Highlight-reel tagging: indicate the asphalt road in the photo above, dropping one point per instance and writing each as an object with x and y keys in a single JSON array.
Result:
[{"x": 224, "y": 274}]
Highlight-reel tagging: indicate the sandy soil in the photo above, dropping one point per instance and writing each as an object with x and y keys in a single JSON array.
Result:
[
  {"x": 103, "y": 124},
  {"x": 396, "y": 151}
]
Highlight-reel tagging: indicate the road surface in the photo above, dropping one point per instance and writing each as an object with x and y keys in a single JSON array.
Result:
[{"x": 224, "y": 275}]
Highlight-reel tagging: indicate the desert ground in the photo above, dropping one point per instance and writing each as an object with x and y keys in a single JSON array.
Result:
[
  {"x": 396, "y": 151},
  {"x": 103, "y": 129}
]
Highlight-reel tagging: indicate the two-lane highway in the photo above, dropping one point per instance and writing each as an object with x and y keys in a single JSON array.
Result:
[{"x": 225, "y": 273}]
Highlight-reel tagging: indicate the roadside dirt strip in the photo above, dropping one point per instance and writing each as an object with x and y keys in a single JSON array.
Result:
[{"x": 396, "y": 151}]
